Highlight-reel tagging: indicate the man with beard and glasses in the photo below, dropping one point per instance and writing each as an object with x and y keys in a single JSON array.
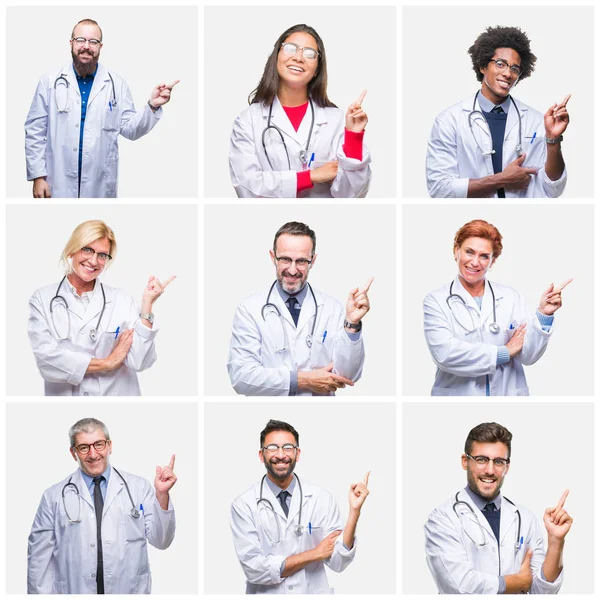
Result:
[
  {"x": 91, "y": 531},
  {"x": 285, "y": 530},
  {"x": 293, "y": 340},
  {"x": 75, "y": 118},
  {"x": 480, "y": 542}
]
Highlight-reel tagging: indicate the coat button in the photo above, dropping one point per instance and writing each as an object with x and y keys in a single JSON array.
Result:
[
  {"x": 290, "y": 587},
  {"x": 480, "y": 386},
  {"x": 85, "y": 393},
  {"x": 93, "y": 545},
  {"x": 74, "y": 149}
]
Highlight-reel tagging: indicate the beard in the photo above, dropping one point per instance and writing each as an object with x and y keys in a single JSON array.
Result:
[
  {"x": 299, "y": 282},
  {"x": 280, "y": 474},
  {"x": 84, "y": 68},
  {"x": 473, "y": 480}
]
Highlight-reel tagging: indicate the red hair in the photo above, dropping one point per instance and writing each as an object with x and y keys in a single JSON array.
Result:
[{"x": 480, "y": 229}]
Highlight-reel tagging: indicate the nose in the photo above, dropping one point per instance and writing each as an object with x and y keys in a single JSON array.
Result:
[
  {"x": 93, "y": 452},
  {"x": 94, "y": 259},
  {"x": 489, "y": 468},
  {"x": 292, "y": 269},
  {"x": 280, "y": 453}
]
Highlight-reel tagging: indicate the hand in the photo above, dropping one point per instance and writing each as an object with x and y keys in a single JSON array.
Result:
[
  {"x": 154, "y": 289},
  {"x": 356, "y": 117},
  {"x": 324, "y": 548},
  {"x": 165, "y": 478},
  {"x": 358, "y": 493},
  {"x": 161, "y": 94},
  {"x": 515, "y": 344},
  {"x": 322, "y": 381},
  {"x": 41, "y": 189},
  {"x": 120, "y": 351},
  {"x": 551, "y": 299},
  {"x": 557, "y": 520},
  {"x": 524, "y": 576},
  {"x": 326, "y": 172},
  {"x": 556, "y": 119},
  {"x": 515, "y": 176},
  {"x": 358, "y": 305}
]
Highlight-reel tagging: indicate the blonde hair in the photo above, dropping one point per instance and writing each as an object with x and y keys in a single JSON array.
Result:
[{"x": 85, "y": 233}]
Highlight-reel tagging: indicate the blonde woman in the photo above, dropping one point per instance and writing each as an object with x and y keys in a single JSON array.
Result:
[{"x": 88, "y": 338}]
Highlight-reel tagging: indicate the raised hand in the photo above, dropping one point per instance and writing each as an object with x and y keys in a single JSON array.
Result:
[
  {"x": 357, "y": 305},
  {"x": 161, "y": 94},
  {"x": 165, "y": 478},
  {"x": 557, "y": 520},
  {"x": 358, "y": 493},
  {"x": 556, "y": 119},
  {"x": 154, "y": 289},
  {"x": 551, "y": 299},
  {"x": 356, "y": 117}
]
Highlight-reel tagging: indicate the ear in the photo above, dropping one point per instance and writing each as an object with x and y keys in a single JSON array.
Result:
[
  {"x": 298, "y": 453},
  {"x": 261, "y": 456},
  {"x": 109, "y": 444},
  {"x": 455, "y": 253},
  {"x": 73, "y": 454},
  {"x": 272, "y": 255},
  {"x": 313, "y": 260},
  {"x": 507, "y": 469},
  {"x": 464, "y": 459}
]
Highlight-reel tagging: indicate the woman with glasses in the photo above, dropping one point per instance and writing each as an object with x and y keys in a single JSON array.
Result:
[
  {"x": 479, "y": 333},
  {"x": 88, "y": 338},
  {"x": 292, "y": 141}
]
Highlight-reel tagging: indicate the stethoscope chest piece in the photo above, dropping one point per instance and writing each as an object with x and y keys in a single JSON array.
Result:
[
  {"x": 135, "y": 513},
  {"x": 494, "y": 328}
]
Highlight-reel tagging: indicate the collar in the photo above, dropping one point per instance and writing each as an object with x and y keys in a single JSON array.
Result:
[
  {"x": 277, "y": 490},
  {"x": 73, "y": 291},
  {"x": 298, "y": 295},
  {"x": 480, "y": 502},
  {"x": 88, "y": 479},
  {"x": 80, "y": 78},
  {"x": 487, "y": 105}
]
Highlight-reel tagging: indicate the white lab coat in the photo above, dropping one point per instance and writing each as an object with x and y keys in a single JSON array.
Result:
[
  {"x": 255, "y": 366},
  {"x": 251, "y": 175},
  {"x": 459, "y": 566},
  {"x": 52, "y": 137},
  {"x": 453, "y": 156},
  {"x": 465, "y": 359},
  {"x": 261, "y": 559},
  {"x": 63, "y": 364},
  {"x": 62, "y": 556}
]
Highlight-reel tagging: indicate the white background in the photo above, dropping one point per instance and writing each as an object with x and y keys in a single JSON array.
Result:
[
  {"x": 144, "y": 437},
  {"x": 439, "y": 73},
  {"x": 552, "y": 450},
  {"x": 146, "y": 47},
  {"x": 354, "y": 242},
  {"x": 158, "y": 240},
  {"x": 354, "y": 38},
  {"x": 541, "y": 246},
  {"x": 339, "y": 443}
]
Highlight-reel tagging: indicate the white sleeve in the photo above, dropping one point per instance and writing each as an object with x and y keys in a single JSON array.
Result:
[
  {"x": 448, "y": 561},
  {"x": 36, "y": 130},
  {"x": 451, "y": 355},
  {"x": 348, "y": 355},
  {"x": 443, "y": 179},
  {"x": 159, "y": 524},
  {"x": 247, "y": 176},
  {"x": 135, "y": 123},
  {"x": 341, "y": 556},
  {"x": 142, "y": 354},
  {"x": 354, "y": 176},
  {"x": 40, "y": 547},
  {"x": 536, "y": 339},
  {"x": 539, "y": 585}
]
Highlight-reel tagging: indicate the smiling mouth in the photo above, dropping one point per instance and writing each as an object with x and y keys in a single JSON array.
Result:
[
  {"x": 487, "y": 480},
  {"x": 295, "y": 69}
]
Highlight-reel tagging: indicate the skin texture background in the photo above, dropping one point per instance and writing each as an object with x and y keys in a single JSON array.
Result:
[
  {"x": 144, "y": 45},
  {"x": 552, "y": 450},
  {"x": 339, "y": 444},
  {"x": 158, "y": 240},
  {"x": 144, "y": 436},
  {"x": 538, "y": 250},
  {"x": 350, "y": 67},
  {"x": 445, "y": 76}
]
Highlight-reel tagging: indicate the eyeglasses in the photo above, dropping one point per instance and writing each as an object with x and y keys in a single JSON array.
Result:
[
  {"x": 273, "y": 448},
  {"x": 502, "y": 65},
  {"x": 291, "y": 49},
  {"x": 80, "y": 41},
  {"x": 483, "y": 461},
  {"x": 286, "y": 261},
  {"x": 89, "y": 252},
  {"x": 85, "y": 448}
]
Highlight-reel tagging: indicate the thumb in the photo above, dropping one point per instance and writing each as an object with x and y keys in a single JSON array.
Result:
[
  {"x": 520, "y": 159},
  {"x": 526, "y": 565},
  {"x": 158, "y": 471},
  {"x": 352, "y": 292},
  {"x": 329, "y": 367},
  {"x": 549, "y": 289}
]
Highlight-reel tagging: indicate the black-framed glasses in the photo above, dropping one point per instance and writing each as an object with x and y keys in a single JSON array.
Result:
[
  {"x": 102, "y": 256},
  {"x": 85, "y": 448},
  {"x": 273, "y": 448},
  {"x": 482, "y": 461},
  {"x": 80, "y": 41},
  {"x": 286, "y": 261},
  {"x": 502, "y": 65},
  {"x": 291, "y": 49}
]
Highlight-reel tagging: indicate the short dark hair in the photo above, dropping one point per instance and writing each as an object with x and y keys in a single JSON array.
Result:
[
  {"x": 87, "y": 22},
  {"x": 489, "y": 433},
  {"x": 296, "y": 228},
  {"x": 485, "y": 46},
  {"x": 274, "y": 425}
]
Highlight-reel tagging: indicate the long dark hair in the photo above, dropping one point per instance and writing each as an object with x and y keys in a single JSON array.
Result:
[{"x": 267, "y": 88}]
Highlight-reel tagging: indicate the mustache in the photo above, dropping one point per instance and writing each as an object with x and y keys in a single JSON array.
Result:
[{"x": 287, "y": 274}]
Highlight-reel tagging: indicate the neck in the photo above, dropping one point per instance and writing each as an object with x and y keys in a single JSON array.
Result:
[
  {"x": 475, "y": 289},
  {"x": 292, "y": 96},
  {"x": 490, "y": 95},
  {"x": 281, "y": 483},
  {"x": 79, "y": 284}
]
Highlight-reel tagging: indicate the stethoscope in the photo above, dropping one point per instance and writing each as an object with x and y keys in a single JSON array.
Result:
[
  {"x": 57, "y": 296},
  {"x": 62, "y": 82},
  {"x": 270, "y": 305},
  {"x": 266, "y": 503},
  {"x": 483, "y": 536},
  {"x": 303, "y": 154},
  {"x": 483, "y": 124},
  {"x": 134, "y": 512},
  {"x": 493, "y": 326}
]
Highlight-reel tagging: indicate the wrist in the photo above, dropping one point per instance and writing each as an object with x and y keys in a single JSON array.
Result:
[
  {"x": 163, "y": 499},
  {"x": 146, "y": 306},
  {"x": 152, "y": 107},
  {"x": 555, "y": 543}
]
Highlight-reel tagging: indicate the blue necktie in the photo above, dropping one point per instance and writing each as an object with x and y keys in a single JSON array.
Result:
[
  {"x": 492, "y": 514},
  {"x": 292, "y": 304}
]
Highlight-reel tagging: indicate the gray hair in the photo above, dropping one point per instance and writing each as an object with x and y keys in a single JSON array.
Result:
[{"x": 87, "y": 426}]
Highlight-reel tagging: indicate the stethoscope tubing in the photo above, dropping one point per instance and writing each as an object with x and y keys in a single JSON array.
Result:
[
  {"x": 63, "y": 77},
  {"x": 493, "y": 327},
  {"x": 299, "y": 529}
]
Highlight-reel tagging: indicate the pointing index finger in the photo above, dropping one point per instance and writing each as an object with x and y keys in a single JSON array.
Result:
[
  {"x": 171, "y": 86},
  {"x": 366, "y": 479},
  {"x": 562, "y": 286},
  {"x": 368, "y": 284},
  {"x": 172, "y": 463},
  {"x": 564, "y": 102},
  {"x": 168, "y": 281},
  {"x": 361, "y": 97},
  {"x": 561, "y": 502}
]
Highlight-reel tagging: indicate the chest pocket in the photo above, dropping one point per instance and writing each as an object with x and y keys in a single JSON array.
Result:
[{"x": 111, "y": 120}]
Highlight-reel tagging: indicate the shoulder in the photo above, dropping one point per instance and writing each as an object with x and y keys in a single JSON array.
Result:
[
  {"x": 254, "y": 302},
  {"x": 532, "y": 113},
  {"x": 442, "y": 512},
  {"x": 247, "y": 498},
  {"x": 45, "y": 292},
  {"x": 452, "y": 113},
  {"x": 56, "y": 489},
  {"x": 505, "y": 290},
  {"x": 324, "y": 298},
  {"x": 134, "y": 481},
  {"x": 435, "y": 295}
]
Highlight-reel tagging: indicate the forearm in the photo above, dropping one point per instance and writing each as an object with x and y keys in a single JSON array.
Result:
[
  {"x": 350, "y": 529},
  {"x": 517, "y": 584},
  {"x": 485, "y": 186},
  {"x": 295, "y": 562},
  {"x": 163, "y": 500},
  {"x": 555, "y": 164},
  {"x": 98, "y": 365},
  {"x": 553, "y": 562}
]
